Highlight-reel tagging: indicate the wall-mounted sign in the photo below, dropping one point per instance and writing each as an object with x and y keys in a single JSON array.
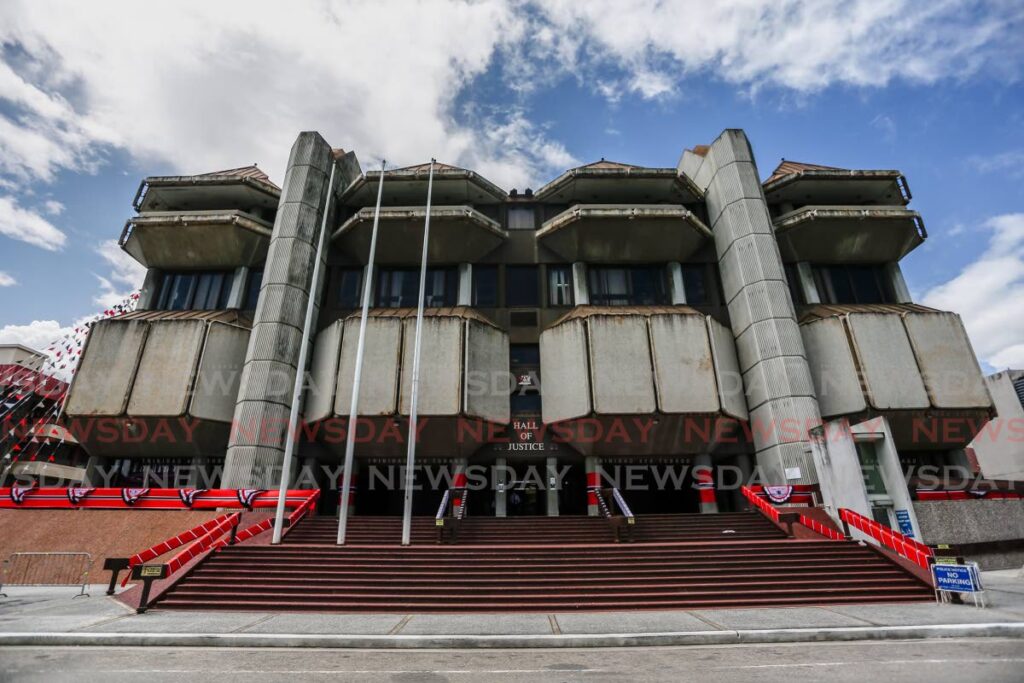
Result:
[{"x": 903, "y": 520}]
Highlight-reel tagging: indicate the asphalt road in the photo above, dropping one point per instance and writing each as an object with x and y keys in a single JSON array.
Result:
[{"x": 936, "y": 661}]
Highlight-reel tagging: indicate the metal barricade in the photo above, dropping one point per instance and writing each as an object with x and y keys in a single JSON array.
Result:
[{"x": 46, "y": 569}]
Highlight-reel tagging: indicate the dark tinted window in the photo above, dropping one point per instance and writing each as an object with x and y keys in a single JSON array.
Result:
[
  {"x": 399, "y": 288},
  {"x": 485, "y": 286},
  {"x": 852, "y": 285},
  {"x": 252, "y": 289},
  {"x": 627, "y": 286},
  {"x": 560, "y": 285},
  {"x": 350, "y": 281},
  {"x": 521, "y": 287},
  {"x": 696, "y": 285},
  {"x": 195, "y": 291}
]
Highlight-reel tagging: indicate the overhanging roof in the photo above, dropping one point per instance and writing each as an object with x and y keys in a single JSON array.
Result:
[
  {"x": 613, "y": 181},
  {"x": 798, "y": 183},
  {"x": 408, "y": 187},
  {"x": 245, "y": 188},
  {"x": 849, "y": 234}
]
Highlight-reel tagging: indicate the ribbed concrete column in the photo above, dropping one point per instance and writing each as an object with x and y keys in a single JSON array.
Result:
[
  {"x": 704, "y": 477},
  {"x": 779, "y": 391},
  {"x": 592, "y": 464},
  {"x": 256, "y": 448}
]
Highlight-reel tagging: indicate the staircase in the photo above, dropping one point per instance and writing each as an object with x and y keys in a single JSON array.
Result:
[{"x": 542, "y": 564}]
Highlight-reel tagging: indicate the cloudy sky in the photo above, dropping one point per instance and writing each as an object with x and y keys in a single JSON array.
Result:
[{"x": 95, "y": 96}]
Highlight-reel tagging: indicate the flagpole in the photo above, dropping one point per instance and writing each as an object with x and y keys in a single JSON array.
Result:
[
  {"x": 353, "y": 412},
  {"x": 300, "y": 370},
  {"x": 410, "y": 453}
]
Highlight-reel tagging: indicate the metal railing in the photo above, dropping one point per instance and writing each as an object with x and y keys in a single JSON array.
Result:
[
  {"x": 450, "y": 513},
  {"x": 904, "y": 546},
  {"x": 46, "y": 569},
  {"x": 626, "y": 521},
  {"x": 776, "y": 515}
]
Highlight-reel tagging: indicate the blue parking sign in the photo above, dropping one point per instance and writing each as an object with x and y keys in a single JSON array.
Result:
[{"x": 958, "y": 578}]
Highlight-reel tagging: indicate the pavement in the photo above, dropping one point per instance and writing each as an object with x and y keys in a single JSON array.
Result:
[{"x": 53, "y": 617}]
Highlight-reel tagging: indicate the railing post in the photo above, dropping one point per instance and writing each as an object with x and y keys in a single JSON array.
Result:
[{"x": 148, "y": 573}]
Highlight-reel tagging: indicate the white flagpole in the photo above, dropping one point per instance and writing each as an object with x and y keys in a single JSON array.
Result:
[
  {"x": 353, "y": 412},
  {"x": 410, "y": 453},
  {"x": 300, "y": 372}
]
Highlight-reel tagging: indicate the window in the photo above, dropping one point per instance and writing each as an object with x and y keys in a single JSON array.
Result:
[
  {"x": 199, "y": 291},
  {"x": 521, "y": 218},
  {"x": 852, "y": 285},
  {"x": 521, "y": 287},
  {"x": 399, "y": 288},
  {"x": 796, "y": 291},
  {"x": 350, "y": 282},
  {"x": 485, "y": 286},
  {"x": 560, "y": 285},
  {"x": 635, "y": 286},
  {"x": 695, "y": 284},
  {"x": 252, "y": 289}
]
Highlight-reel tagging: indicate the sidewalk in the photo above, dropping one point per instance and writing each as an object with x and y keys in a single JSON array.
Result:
[{"x": 41, "y": 616}]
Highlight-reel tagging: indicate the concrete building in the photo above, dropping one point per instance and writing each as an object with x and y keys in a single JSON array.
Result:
[{"x": 618, "y": 315}]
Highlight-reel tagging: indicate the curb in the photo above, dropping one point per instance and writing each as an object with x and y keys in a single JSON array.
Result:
[{"x": 399, "y": 642}]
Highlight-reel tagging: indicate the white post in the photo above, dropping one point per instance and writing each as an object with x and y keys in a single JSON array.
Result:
[
  {"x": 410, "y": 454},
  {"x": 300, "y": 370},
  {"x": 353, "y": 412}
]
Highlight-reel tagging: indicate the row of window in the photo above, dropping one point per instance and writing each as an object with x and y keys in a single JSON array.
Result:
[
  {"x": 204, "y": 290},
  {"x": 845, "y": 284},
  {"x": 607, "y": 286}
]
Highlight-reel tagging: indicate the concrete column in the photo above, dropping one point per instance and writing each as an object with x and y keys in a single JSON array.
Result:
[
  {"x": 808, "y": 287},
  {"x": 580, "y": 290},
  {"x": 239, "y": 284},
  {"x": 459, "y": 479},
  {"x": 704, "y": 478},
  {"x": 260, "y": 425},
  {"x": 500, "y": 482},
  {"x": 780, "y": 395},
  {"x": 150, "y": 290},
  {"x": 592, "y": 463},
  {"x": 465, "y": 297},
  {"x": 742, "y": 461},
  {"x": 96, "y": 469},
  {"x": 898, "y": 284},
  {"x": 551, "y": 481},
  {"x": 675, "y": 283}
]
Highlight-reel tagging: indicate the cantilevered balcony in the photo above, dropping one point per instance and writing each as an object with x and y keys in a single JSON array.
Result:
[
  {"x": 849, "y": 234},
  {"x": 797, "y": 184},
  {"x": 208, "y": 239},
  {"x": 408, "y": 187},
  {"x": 609, "y": 181},
  {"x": 464, "y": 383},
  {"x": 159, "y": 384},
  {"x": 458, "y": 234},
  {"x": 911, "y": 363},
  {"x": 665, "y": 377},
  {"x": 624, "y": 233}
]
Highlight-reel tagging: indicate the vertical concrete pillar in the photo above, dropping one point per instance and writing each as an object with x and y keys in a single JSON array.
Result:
[
  {"x": 746, "y": 468},
  {"x": 898, "y": 284},
  {"x": 551, "y": 484},
  {"x": 808, "y": 287},
  {"x": 239, "y": 285},
  {"x": 465, "y": 296},
  {"x": 459, "y": 479},
  {"x": 97, "y": 472},
  {"x": 779, "y": 391},
  {"x": 704, "y": 479},
  {"x": 592, "y": 463},
  {"x": 580, "y": 290},
  {"x": 150, "y": 290},
  {"x": 675, "y": 283},
  {"x": 500, "y": 483},
  {"x": 256, "y": 446}
]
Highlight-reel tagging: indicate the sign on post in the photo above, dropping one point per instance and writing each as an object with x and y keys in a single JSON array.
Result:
[
  {"x": 958, "y": 578},
  {"x": 903, "y": 520}
]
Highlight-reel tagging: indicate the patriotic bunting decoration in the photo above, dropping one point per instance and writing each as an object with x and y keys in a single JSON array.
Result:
[
  {"x": 132, "y": 496},
  {"x": 18, "y": 493},
  {"x": 246, "y": 496},
  {"x": 75, "y": 495},
  {"x": 778, "y": 494},
  {"x": 188, "y": 496}
]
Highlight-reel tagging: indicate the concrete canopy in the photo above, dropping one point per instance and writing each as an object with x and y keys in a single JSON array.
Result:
[
  {"x": 615, "y": 182},
  {"x": 849, "y": 234},
  {"x": 458, "y": 234},
  {"x": 838, "y": 186},
  {"x": 602, "y": 233},
  {"x": 210, "y": 191},
  {"x": 197, "y": 239},
  {"x": 408, "y": 187}
]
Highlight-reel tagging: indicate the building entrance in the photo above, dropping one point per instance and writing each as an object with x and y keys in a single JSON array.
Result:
[{"x": 535, "y": 487}]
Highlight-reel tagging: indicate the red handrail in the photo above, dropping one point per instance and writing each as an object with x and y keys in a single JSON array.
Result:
[
  {"x": 908, "y": 548},
  {"x": 204, "y": 542},
  {"x": 773, "y": 513},
  {"x": 170, "y": 544},
  {"x": 298, "y": 513}
]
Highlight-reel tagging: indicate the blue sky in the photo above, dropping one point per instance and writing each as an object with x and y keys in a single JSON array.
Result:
[{"x": 90, "y": 102}]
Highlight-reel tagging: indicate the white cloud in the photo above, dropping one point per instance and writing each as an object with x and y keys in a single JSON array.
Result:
[
  {"x": 28, "y": 226},
  {"x": 36, "y": 335},
  {"x": 1011, "y": 161},
  {"x": 989, "y": 294},
  {"x": 53, "y": 207},
  {"x": 125, "y": 277},
  {"x": 7, "y": 280}
]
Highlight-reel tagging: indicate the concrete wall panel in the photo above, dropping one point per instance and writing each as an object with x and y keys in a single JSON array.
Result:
[
  {"x": 620, "y": 365},
  {"x": 683, "y": 365},
  {"x": 727, "y": 370},
  {"x": 164, "y": 379},
  {"x": 564, "y": 372},
  {"x": 487, "y": 384},
  {"x": 104, "y": 379},
  {"x": 440, "y": 381},
  {"x": 323, "y": 372},
  {"x": 944, "y": 354},
  {"x": 833, "y": 370},
  {"x": 220, "y": 372},
  {"x": 887, "y": 361},
  {"x": 378, "y": 388}
]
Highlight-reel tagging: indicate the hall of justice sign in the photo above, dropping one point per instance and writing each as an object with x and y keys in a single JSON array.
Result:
[{"x": 529, "y": 435}]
